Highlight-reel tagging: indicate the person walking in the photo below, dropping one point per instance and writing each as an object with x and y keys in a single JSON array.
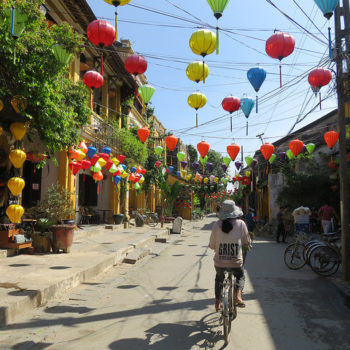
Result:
[
  {"x": 281, "y": 230},
  {"x": 228, "y": 236},
  {"x": 250, "y": 220},
  {"x": 326, "y": 213}
]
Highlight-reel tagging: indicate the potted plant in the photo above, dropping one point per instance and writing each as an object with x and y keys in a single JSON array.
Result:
[{"x": 57, "y": 209}]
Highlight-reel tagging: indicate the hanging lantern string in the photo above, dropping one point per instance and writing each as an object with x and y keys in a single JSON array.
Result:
[
  {"x": 102, "y": 63},
  {"x": 280, "y": 75},
  {"x": 246, "y": 130},
  {"x": 256, "y": 103},
  {"x": 320, "y": 99},
  {"x": 330, "y": 42},
  {"x": 116, "y": 24},
  {"x": 203, "y": 71},
  {"x": 217, "y": 36},
  {"x": 196, "y": 118}
]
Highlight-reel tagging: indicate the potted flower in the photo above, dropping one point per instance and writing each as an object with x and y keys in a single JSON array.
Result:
[{"x": 57, "y": 209}]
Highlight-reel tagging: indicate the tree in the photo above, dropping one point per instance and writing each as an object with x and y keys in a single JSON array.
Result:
[
  {"x": 57, "y": 107},
  {"x": 311, "y": 187},
  {"x": 216, "y": 159},
  {"x": 192, "y": 154}
]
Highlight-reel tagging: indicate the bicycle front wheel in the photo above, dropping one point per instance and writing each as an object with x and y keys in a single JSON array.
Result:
[
  {"x": 294, "y": 256},
  {"x": 152, "y": 221},
  {"x": 324, "y": 261}
]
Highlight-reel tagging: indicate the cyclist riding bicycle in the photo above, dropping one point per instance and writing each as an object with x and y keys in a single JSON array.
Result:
[{"x": 228, "y": 236}]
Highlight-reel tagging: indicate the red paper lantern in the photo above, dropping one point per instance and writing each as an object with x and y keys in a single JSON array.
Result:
[
  {"x": 296, "y": 146},
  {"x": 320, "y": 77},
  {"x": 94, "y": 159},
  {"x": 121, "y": 158},
  {"x": 280, "y": 45},
  {"x": 74, "y": 167},
  {"x": 171, "y": 142},
  {"x": 98, "y": 176},
  {"x": 101, "y": 33},
  {"x": 331, "y": 138},
  {"x": 267, "y": 149},
  {"x": 203, "y": 148},
  {"x": 85, "y": 164},
  {"x": 143, "y": 134},
  {"x": 93, "y": 79},
  {"x": 135, "y": 64},
  {"x": 233, "y": 151},
  {"x": 231, "y": 104},
  {"x": 158, "y": 163},
  {"x": 104, "y": 156},
  {"x": 143, "y": 171},
  {"x": 108, "y": 164}
]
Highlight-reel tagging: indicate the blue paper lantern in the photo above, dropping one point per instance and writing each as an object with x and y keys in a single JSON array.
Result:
[
  {"x": 91, "y": 151},
  {"x": 171, "y": 169},
  {"x": 178, "y": 174},
  {"x": 106, "y": 150},
  {"x": 133, "y": 169},
  {"x": 116, "y": 179},
  {"x": 124, "y": 166},
  {"x": 327, "y": 7},
  {"x": 256, "y": 77},
  {"x": 247, "y": 105}
]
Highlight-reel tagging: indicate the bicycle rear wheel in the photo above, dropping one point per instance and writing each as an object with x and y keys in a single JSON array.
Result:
[
  {"x": 152, "y": 221},
  {"x": 324, "y": 261},
  {"x": 294, "y": 256}
]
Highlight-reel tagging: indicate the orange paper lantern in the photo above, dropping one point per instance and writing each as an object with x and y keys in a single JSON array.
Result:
[
  {"x": 143, "y": 134},
  {"x": 267, "y": 149},
  {"x": 233, "y": 151},
  {"x": 203, "y": 148},
  {"x": 331, "y": 138},
  {"x": 296, "y": 146},
  {"x": 171, "y": 142}
]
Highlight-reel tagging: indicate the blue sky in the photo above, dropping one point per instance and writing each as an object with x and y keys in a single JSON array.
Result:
[{"x": 163, "y": 40}]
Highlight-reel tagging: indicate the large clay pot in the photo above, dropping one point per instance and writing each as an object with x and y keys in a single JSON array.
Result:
[
  {"x": 118, "y": 218},
  {"x": 41, "y": 242},
  {"x": 62, "y": 237}
]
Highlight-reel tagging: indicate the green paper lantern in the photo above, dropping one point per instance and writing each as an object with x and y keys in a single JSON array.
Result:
[
  {"x": 137, "y": 186},
  {"x": 96, "y": 168},
  {"x": 17, "y": 21},
  {"x": 218, "y": 7},
  {"x": 248, "y": 160},
  {"x": 61, "y": 54},
  {"x": 272, "y": 158},
  {"x": 146, "y": 92},
  {"x": 204, "y": 160},
  {"x": 158, "y": 150},
  {"x": 226, "y": 160},
  {"x": 181, "y": 156},
  {"x": 310, "y": 147},
  {"x": 113, "y": 169},
  {"x": 290, "y": 154}
]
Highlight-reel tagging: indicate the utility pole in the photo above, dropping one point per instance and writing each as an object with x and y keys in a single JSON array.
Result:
[
  {"x": 260, "y": 137},
  {"x": 342, "y": 58}
]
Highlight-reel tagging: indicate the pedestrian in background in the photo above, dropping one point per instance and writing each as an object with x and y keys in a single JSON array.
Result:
[
  {"x": 281, "y": 230},
  {"x": 249, "y": 219},
  {"x": 326, "y": 214}
]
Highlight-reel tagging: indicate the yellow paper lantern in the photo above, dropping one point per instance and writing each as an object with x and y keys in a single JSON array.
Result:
[
  {"x": 14, "y": 213},
  {"x": 206, "y": 180},
  {"x": 102, "y": 162},
  {"x": 19, "y": 103},
  {"x": 197, "y": 100},
  {"x": 1, "y": 105},
  {"x": 124, "y": 174},
  {"x": 18, "y": 130},
  {"x": 203, "y": 42},
  {"x": 16, "y": 185},
  {"x": 197, "y": 71},
  {"x": 79, "y": 155},
  {"x": 115, "y": 161},
  {"x": 188, "y": 177},
  {"x": 247, "y": 173},
  {"x": 142, "y": 180},
  {"x": 17, "y": 158},
  {"x": 216, "y": 179}
]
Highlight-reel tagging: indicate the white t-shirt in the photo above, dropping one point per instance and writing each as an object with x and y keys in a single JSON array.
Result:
[{"x": 228, "y": 246}]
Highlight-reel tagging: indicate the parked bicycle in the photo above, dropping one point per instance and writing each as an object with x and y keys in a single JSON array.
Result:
[
  {"x": 195, "y": 216},
  {"x": 228, "y": 304},
  {"x": 323, "y": 256},
  {"x": 149, "y": 218}
]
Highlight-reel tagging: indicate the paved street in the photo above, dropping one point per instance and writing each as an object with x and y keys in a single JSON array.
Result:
[{"x": 166, "y": 302}]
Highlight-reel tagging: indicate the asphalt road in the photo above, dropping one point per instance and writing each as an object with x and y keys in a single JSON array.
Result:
[{"x": 166, "y": 301}]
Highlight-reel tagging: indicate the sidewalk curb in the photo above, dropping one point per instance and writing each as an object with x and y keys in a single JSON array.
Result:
[{"x": 40, "y": 297}]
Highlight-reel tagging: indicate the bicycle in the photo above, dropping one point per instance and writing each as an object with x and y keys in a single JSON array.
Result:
[
  {"x": 294, "y": 256},
  {"x": 151, "y": 219},
  {"x": 228, "y": 304}
]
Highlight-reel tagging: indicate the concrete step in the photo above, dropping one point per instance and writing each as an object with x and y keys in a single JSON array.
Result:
[
  {"x": 3, "y": 253},
  {"x": 136, "y": 255}
]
